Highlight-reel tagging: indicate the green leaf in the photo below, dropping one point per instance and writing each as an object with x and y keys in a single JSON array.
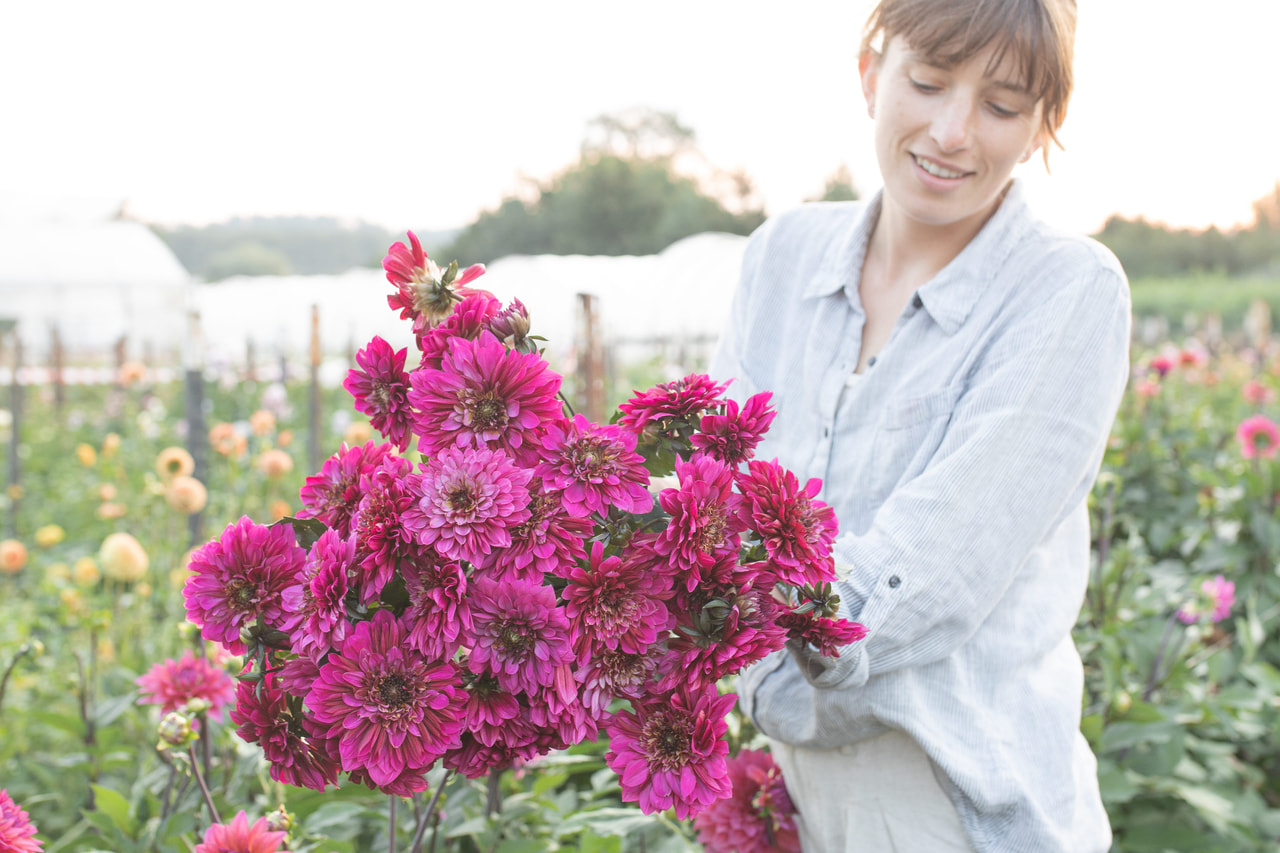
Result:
[
  {"x": 1116, "y": 786},
  {"x": 116, "y": 807},
  {"x": 473, "y": 826},
  {"x": 609, "y": 822},
  {"x": 305, "y": 530}
]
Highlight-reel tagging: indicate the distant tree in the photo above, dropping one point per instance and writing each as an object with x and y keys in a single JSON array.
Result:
[
  {"x": 628, "y": 193},
  {"x": 1266, "y": 211},
  {"x": 246, "y": 258},
  {"x": 839, "y": 187}
]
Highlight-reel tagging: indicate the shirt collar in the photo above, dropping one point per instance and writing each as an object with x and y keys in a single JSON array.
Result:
[{"x": 950, "y": 295}]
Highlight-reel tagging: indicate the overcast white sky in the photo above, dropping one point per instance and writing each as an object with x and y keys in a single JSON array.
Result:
[{"x": 420, "y": 114}]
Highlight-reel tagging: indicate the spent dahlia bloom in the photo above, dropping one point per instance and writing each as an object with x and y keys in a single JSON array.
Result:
[
  {"x": 733, "y": 436},
  {"x": 424, "y": 292},
  {"x": 550, "y": 541},
  {"x": 333, "y": 495},
  {"x": 797, "y": 530},
  {"x": 315, "y": 603},
  {"x": 470, "y": 317},
  {"x": 468, "y": 501},
  {"x": 1259, "y": 437},
  {"x": 381, "y": 390},
  {"x": 615, "y": 605},
  {"x": 17, "y": 835},
  {"x": 172, "y": 683},
  {"x": 520, "y": 635},
  {"x": 384, "y": 540},
  {"x": 438, "y": 611},
  {"x": 239, "y": 578},
  {"x": 392, "y": 711},
  {"x": 594, "y": 467},
  {"x": 263, "y": 715},
  {"x": 239, "y": 837},
  {"x": 485, "y": 395},
  {"x": 706, "y": 518},
  {"x": 682, "y": 398},
  {"x": 758, "y": 817},
  {"x": 670, "y": 753}
]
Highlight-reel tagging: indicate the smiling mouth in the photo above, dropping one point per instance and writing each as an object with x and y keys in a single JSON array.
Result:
[{"x": 937, "y": 171}]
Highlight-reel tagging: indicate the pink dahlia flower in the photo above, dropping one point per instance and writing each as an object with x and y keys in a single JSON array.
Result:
[
  {"x": 595, "y": 467},
  {"x": 333, "y": 495},
  {"x": 758, "y": 817},
  {"x": 797, "y": 530},
  {"x": 613, "y": 605},
  {"x": 470, "y": 317},
  {"x": 721, "y": 631},
  {"x": 550, "y": 541},
  {"x": 297, "y": 753},
  {"x": 733, "y": 436},
  {"x": 381, "y": 390},
  {"x": 491, "y": 709},
  {"x": 424, "y": 292},
  {"x": 613, "y": 675},
  {"x": 1218, "y": 596},
  {"x": 670, "y": 753},
  {"x": 17, "y": 835},
  {"x": 468, "y": 501},
  {"x": 520, "y": 635},
  {"x": 438, "y": 613},
  {"x": 828, "y": 636},
  {"x": 392, "y": 711},
  {"x": 706, "y": 519},
  {"x": 682, "y": 398},
  {"x": 485, "y": 396},
  {"x": 239, "y": 837},
  {"x": 1259, "y": 437},
  {"x": 1257, "y": 393},
  {"x": 474, "y": 759},
  {"x": 240, "y": 577},
  {"x": 316, "y": 603},
  {"x": 173, "y": 683},
  {"x": 383, "y": 537},
  {"x": 1161, "y": 365}
]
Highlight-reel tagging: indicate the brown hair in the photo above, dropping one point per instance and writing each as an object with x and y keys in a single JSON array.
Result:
[{"x": 1040, "y": 34}]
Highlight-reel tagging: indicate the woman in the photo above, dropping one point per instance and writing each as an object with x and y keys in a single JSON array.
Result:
[{"x": 950, "y": 367}]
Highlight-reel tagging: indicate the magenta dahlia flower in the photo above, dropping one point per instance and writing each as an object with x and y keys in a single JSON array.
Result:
[
  {"x": 595, "y": 467},
  {"x": 550, "y": 541},
  {"x": 615, "y": 605},
  {"x": 826, "y": 635},
  {"x": 381, "y": 390},
  {"x": 333, "y": 495},
  {"x": 722, "y": 630},
  {"x": 682, "y": 398},
  {"x": 316, "y": 603},
  {"x": 485, "y": 396},
  {"x": 384, "y": 540},
  {"x": 424, "y": 292},
  {"x": 613, "y": 675},
  {"x": 520, "y": 635},
  {"x": 1217, "y": 597},
  {"x": 173, "y": 683},
  {"x": 239, "y": 578},
  {"x": 297, "y": 753},
  {"x": 706, "y": 519},
  {"x": 392, "y": 711},
  {"x": 758, "y": 817},
  {"x": 733, "y": 436},
  {"x": 474, "y": 759},
  {"x": 670, "y": 753},
  {"x": 17, "y": 834},
  {"x": 470, "y": 317},
  {"x": 468, "y": 501},
  {"x": 1259, "y": 437},
  {"x": 797, "y": 529},
  {"x": 492, "y": 711},
  {"x": 239, "y": 837},
  {"x": 438, "y": 613}
]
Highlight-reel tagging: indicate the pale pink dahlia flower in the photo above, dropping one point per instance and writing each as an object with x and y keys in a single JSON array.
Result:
[
  {"x": 758, "y": 817},
  {"x": 381, "y": 390},
  {"x": 468, "y": 501},
  {"x": 1259, "y": 437},
  {"x": 670, "y": 753},
  {"x": 594, "y": 467},
  {"x": 797, "y": 529},
  {"x": 173, "y": 683},
  {"x": 17, "y": 834},
  {"x": 239, "y": 578},
  {"x": 485, "y": 396},
  {"x": 520, "y": 635},
  {"x": 392, "y": 711},
  {"x": 239, "y": 837}
]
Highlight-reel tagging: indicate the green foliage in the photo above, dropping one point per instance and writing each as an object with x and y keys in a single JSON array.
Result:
[
  {"x": 839, "y": 187},
  {"x": 1187, "y": 301},
  {"x": 247, "y": 257}
]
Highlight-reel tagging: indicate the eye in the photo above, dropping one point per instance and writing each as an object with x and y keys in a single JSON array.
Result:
[
  {"x": 924, "y": 88},
  {"x": 1001, "y": 111}
]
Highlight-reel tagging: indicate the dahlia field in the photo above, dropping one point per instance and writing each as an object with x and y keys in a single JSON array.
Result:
[{"x": 489, "y": 624}]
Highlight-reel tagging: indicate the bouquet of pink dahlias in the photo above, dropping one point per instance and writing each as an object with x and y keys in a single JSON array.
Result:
[{"x": 518, "y": 589}]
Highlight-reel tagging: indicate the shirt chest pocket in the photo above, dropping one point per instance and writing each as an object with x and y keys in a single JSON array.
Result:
[{"x": 907, "y": 438}]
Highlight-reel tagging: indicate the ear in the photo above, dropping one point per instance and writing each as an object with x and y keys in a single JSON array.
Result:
[
  {"x": 869, "y": 71},
  {"x": 1037, "y": 143}
]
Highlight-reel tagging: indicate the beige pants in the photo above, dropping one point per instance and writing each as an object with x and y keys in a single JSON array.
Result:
[{"x": 876, "y": 796}]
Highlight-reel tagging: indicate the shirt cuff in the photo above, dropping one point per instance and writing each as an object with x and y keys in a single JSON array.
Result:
[{"x": 851, "y": 669}]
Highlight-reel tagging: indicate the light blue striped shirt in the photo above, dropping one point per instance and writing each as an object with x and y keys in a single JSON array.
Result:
[{"x": 958, "y": 466}]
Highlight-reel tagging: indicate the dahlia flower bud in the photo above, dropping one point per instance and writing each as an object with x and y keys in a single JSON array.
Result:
[
  {"x": 175, "y": 730},
  {"x": 123, "y": 558},
  {"x": 197, "y": 705},
  {"x": 279, "y": 820},
  {"x": 511, "y": 326}
]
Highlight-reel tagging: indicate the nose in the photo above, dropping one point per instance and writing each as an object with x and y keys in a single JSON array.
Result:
[{"x": 953, "y": 122}]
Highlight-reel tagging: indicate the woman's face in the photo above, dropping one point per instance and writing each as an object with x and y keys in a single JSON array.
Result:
[{"x": 947, "y": 139}]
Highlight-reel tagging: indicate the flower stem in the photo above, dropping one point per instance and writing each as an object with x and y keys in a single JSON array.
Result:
[
  {"x": 23, "y": 651},
  {"x": 204, "y": 789},
  {"x": 391, "y": 826},
  {"x": 1157, "y": 664},
  {"x": 430, "y": 817}
]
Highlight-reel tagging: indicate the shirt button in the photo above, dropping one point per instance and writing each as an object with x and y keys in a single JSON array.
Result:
[{"x": 894, "y": 582}]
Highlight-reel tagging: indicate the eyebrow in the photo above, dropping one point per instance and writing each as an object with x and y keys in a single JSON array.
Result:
[{"x": 1015, "y": 88}]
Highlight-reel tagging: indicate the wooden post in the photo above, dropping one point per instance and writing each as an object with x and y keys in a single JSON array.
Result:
[
  {"x": 57, "y": 361},
  {"x": 197, "y": 434},
  {"x": 590, "y": 359},
  {"x": 313, "y": 442},
  {"x": 121, "y": 348},
  {"x": 250, "y": 361},
  {"x": 15, "y": 437}
]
